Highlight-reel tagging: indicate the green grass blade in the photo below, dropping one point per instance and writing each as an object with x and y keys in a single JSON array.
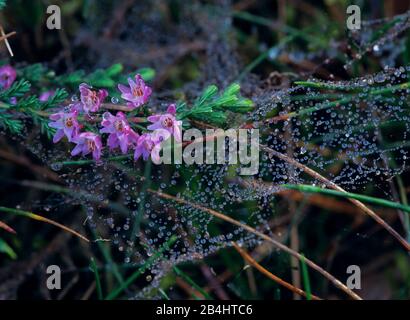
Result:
[
  {"x": 164, "y": 294},
  {"x": 191, "y": 282},
  {"x": 306, "y": 280},
  {"x": 360, "y": 197},
  {"x": 5, "y": 248},
  {"x": 97, "y": 279}
]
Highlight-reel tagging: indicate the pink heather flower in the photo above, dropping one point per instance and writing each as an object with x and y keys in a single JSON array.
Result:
[
  {"x": 67, "y": 125},
  {"x": 150, "y": 144},
  {"x": 46, "y": 95},
  {"x": 88, "y": 142},
  {"x": 120, "y": 133},
  {"x": 7, "y": 76},
  {"x": 91, "y": 100},
  {"x": 137, "y": 93},
  {"x": 168, "y": 122}
]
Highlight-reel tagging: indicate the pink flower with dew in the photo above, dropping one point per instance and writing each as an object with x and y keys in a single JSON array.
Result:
[
  {"x": 66, "y": 124},
  {"x": 120, "y": 133},
  {"x": 88, "y": 142},
  {"x": 46, "y": 95},
  {"x": 168, "y": 122},
  {"x": 91, "y": 100},
  {"x": 150, "y": 144},
  {"x": 137, "y": 93},
  {"x": 7, "y": 76}
]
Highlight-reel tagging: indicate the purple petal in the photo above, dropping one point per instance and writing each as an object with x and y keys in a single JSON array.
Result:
[
  {"x": 77, "y": 149},
  {"x": 137, "y": 153},
  {"x": 172, "y": 109},
  {"x": 154, "y": 118},
  {"x": 145, "y": 154},
  {"x": 56, "y": 116},
  {"x": 123, "y": 143},
  {"x": 58, "y": 136},
  {"x": 56, "y": 125},
  {"x": 131, "y": 83},
  {"x": 124, "y": 89},
  {"x": 97, "y": 154},
  {"x": 155, "y": 126}
]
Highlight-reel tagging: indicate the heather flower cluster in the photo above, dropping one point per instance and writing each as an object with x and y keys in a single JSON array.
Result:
[
  {"x": 7, "y": 77},
  {"x": 71, "y": 121}
]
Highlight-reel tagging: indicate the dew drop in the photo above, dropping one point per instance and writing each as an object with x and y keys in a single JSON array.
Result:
[{"x": 56, "y": 166}]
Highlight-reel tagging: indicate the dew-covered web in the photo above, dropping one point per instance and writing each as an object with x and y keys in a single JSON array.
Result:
[
  {"x": 355, "y": 133},
  {"x": 379, "y": 37}
]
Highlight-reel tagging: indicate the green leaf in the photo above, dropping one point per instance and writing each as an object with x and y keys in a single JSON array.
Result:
[
  {"x": 13, "y": 125},
  {"x": 72, "y": 79},
  {"x": 212, "y": 108},
  {"x": 59, "y": 96},
  {"x": 17, "y": 89},
  {"x": 28, "y": 102},
  {"x": 215, "y": 117},
  {"x": 114, "y": 70},
  {"x": 146, "y": 73},
  {"x": 232, "y": 89},
  {"x": 100, "y": 78},
  {"x": 32, "y": 72},
  {"x": 208, "y": 93},
  {"x": 5, "y": 248}
]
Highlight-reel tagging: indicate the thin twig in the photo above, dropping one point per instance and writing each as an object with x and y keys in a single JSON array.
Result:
[
  {"x": 8, "y": 35},
  {"x": 283, "y": 283},
  {"x": 43, "y": 219},
  {"x": 4, "y": 37}
]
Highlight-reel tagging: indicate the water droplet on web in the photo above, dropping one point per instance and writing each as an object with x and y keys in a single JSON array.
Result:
[
  {"x": 74, "y": 98},
  {"x": 273, "y": 53},
  {"x": 380, "y": 77},
  {"x": 56, "y": 166},
  {"x": 376, "y": 48},
  {"x": 114, "y": 100}
]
